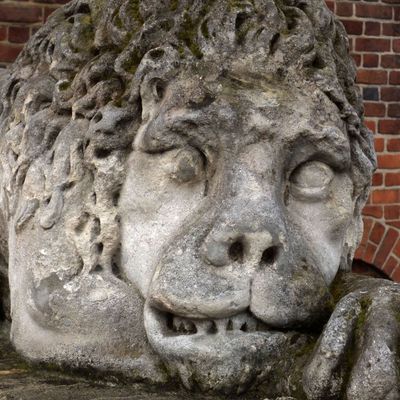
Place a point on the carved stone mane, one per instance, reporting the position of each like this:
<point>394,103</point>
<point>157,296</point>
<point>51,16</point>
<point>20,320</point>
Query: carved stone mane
<point>84,89</point>
<point>86,65</point>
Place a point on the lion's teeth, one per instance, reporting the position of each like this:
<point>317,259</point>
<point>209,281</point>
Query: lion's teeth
<point>251,324</point>
<point>183,325</point>
<point>239,323</point>
<point>204,326</point>
<point>221,324</point>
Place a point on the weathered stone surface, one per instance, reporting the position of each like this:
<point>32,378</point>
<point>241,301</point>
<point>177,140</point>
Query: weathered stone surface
<point>181,182</point>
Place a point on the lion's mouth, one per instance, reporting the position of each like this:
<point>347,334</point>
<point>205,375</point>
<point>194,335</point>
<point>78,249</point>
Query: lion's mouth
<point>240,323</point>
<point>219,354</point>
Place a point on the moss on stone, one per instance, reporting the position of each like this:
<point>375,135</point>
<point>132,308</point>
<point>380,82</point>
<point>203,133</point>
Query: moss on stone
<point>204,30</point>
<point>65,85</point>
<point>118,22</point>
<point>133,62</point>
<point>134,11</point>
<point>187,34</point>
<point>365,305</point>
<point>174,5</point>
<point>189,28</point>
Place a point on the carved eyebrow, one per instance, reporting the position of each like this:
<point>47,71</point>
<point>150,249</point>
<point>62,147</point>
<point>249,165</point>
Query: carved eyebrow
<point>326,142</point>
<point>331,135</point>
<point>183,117</point>
<point>192,125</point>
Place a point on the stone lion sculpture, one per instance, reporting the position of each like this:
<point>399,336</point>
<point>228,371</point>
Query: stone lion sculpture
<point>181,182</point>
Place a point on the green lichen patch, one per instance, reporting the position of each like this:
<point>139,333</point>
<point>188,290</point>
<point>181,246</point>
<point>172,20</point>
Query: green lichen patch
<point>174,5</point>
<point>188,34</point>
<point>362,318</point>
<point>134,11</point>
<point>132,61</point>
<point>65,85</point>
<point>188,30</point>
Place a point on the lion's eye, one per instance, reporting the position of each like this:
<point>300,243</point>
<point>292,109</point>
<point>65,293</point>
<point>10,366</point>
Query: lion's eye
<point>187,165</point>
<point>311,180</point>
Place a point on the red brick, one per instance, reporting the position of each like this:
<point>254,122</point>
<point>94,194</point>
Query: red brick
<point>393,145</point>
<point>379,144</point>
<point>47,12</point>
<point>396,45</point>
<point>390,264</point>
<point>390,94</point>
<point>377,180</point>
<point>377,233</point>
<point>389,161</point>
<point>370,125</point>
<point>353,27</point>
<point>386,196</point>
<point>394,78</point>
<point>390,126</point>
<point>8,53</point>
<point>374,11</point>
<point>389,29</point>
<point>374,109</point>
<point>397,13</point>
<point>330,5</point>
<point>359,254</point>
<point>20,14</point>
<point>396,224</point>
<point>372,76</point>
<point>392,179</point>
<point>396,275</point>
<point>390,61</point>
<point>364,239</point>
<point>351,43</point>
<point>372,28</point>
<point>394,110</point>
<point>369,253</point>
<point>373,211</point>
<point>356,58</point>
<point>370,60</point>
<point>367,229</point>
<point>397,249</point>
<point>3,33</point>
<point>392,212</point>
<point>386,246</point>
<point>344,9</point>
<point>17,34</point>
<point>378,45</point>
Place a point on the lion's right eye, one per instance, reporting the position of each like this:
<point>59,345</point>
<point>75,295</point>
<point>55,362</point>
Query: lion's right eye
<point>187,165</point>
<point>311,180</point>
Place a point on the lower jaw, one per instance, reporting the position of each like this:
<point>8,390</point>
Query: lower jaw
<point>228,362</point>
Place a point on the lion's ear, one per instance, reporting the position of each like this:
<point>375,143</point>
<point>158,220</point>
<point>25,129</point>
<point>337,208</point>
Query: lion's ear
<point>157,86</point>
<point>152,92</point>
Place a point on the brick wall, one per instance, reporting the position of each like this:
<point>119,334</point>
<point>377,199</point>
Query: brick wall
<point>18,21</point>
<point>374,30</point>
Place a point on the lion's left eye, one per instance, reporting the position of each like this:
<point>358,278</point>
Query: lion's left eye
<point>311,180</point>
<point>187,165</point>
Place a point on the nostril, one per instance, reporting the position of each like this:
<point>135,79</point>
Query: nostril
<point>98,117</point>
<point>269,255</point>
<point>236,251</point>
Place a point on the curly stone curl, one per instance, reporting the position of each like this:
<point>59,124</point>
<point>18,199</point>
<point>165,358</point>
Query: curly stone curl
<point>78,82</point>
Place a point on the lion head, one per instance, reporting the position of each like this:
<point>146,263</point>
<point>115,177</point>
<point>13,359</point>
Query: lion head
<point>180,184</point>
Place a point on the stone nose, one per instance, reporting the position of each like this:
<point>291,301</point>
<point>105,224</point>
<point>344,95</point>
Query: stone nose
<point>239,246</point>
